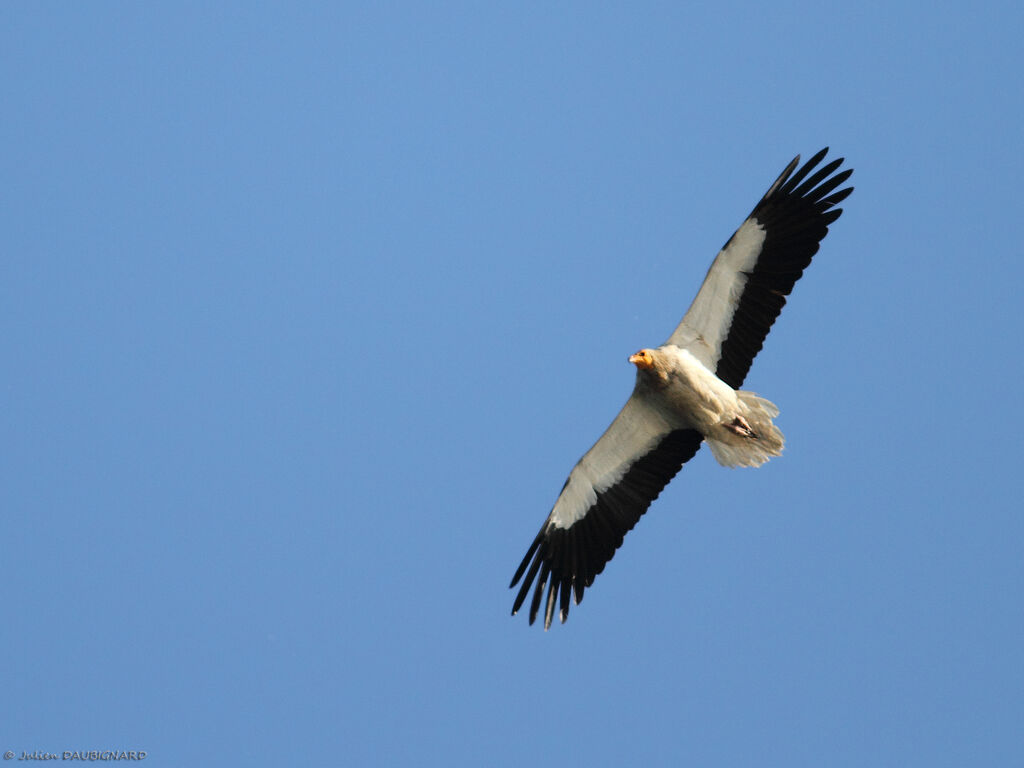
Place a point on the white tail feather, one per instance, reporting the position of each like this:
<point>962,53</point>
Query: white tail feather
<point>751,438</point>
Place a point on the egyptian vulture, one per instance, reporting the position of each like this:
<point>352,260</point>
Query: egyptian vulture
<point>687,391</point>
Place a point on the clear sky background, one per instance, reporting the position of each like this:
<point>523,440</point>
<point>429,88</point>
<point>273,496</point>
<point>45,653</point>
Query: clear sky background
<point>307,310</point>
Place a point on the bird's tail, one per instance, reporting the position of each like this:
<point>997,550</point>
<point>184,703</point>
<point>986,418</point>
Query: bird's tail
<point>750,438</point>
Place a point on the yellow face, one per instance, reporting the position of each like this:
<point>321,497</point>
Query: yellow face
<point>643,359</point>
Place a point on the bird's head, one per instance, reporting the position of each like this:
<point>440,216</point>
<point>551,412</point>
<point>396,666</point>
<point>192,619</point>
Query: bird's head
<point>644,359</point>
<point>652,365</point>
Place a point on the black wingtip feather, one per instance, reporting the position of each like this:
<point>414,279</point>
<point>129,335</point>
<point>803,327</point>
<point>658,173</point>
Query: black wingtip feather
<point>524,590</point>
<point>801,174</point>
<point>538,593</point>
<point>838,197</point>
<point>526,560</point>
<point>816,178</point>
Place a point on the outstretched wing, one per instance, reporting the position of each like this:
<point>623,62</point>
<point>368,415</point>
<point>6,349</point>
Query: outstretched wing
<point>606,493</point>
<point>749,280</point>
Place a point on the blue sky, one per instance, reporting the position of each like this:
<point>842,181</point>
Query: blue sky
<point>307,310</point>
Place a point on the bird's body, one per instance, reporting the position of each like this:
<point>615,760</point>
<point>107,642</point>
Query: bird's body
<point>687,391</point>
<point>736,424</point>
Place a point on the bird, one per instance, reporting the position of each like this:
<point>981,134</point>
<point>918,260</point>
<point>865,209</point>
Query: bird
<point>687,391</point>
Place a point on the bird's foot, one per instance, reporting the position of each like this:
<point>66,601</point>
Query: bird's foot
<point>739,426</point>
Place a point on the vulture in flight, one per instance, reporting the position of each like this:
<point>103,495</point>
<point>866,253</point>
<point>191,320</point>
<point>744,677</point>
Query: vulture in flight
<point>687,391</point>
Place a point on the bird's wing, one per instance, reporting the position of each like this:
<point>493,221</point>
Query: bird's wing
<point>748,282</point>
<point>606,493</point>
